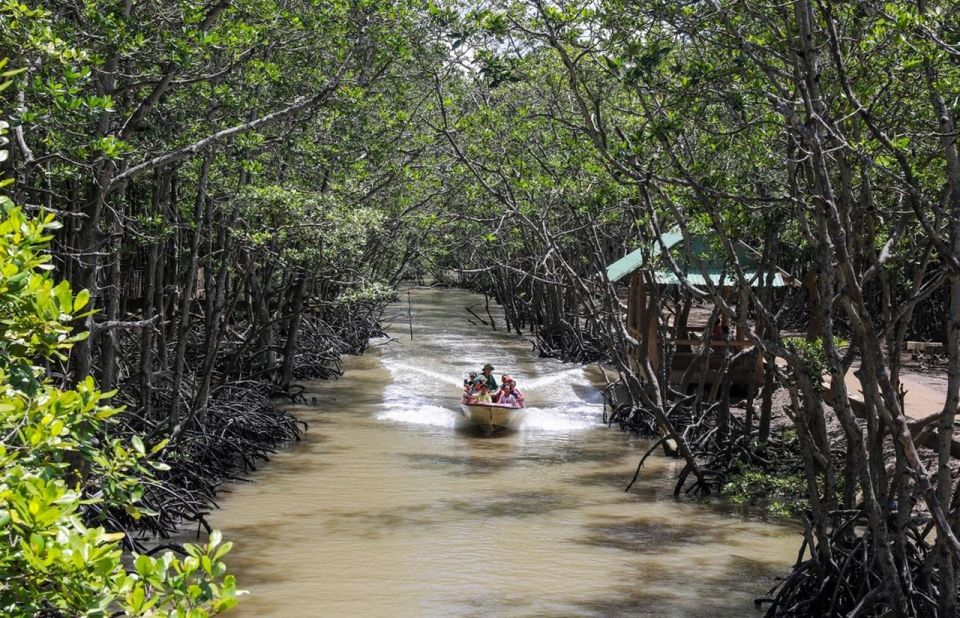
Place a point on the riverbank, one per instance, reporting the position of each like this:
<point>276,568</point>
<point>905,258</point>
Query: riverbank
<point>246,421</point>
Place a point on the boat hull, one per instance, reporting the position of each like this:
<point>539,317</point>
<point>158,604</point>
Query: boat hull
<point>491,416</point>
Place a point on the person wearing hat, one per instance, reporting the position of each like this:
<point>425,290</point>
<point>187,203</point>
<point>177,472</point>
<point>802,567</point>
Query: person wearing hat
<point>488,375</point>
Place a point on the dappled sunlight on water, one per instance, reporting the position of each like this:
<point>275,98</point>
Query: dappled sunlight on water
<point>389,507</point>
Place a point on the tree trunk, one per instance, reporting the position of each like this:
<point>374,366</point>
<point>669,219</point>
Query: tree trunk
<point>186,298</point>
<point>293,332</point>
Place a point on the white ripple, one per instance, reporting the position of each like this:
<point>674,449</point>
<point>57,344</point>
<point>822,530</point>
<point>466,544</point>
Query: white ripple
<point>568,374</point>
<point>400,369</point>
<point>560,418</point>
<point>416,414</point>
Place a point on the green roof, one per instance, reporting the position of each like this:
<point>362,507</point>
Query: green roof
<point>625,265</point>
<point>714,265</point>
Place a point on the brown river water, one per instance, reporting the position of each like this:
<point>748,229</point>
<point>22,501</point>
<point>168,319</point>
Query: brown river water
<point>388,508</point>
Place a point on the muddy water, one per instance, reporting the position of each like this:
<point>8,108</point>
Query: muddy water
<point>387,508</point>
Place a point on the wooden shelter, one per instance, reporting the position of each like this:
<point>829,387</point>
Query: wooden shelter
<point>652,278</point>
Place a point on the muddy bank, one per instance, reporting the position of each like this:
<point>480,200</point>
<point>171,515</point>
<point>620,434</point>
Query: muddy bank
<point>246,421</point>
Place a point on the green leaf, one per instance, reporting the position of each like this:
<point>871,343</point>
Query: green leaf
<point>81,300</point>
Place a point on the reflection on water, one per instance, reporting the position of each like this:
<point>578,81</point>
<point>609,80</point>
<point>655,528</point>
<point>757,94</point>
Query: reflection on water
<point>386,508</point>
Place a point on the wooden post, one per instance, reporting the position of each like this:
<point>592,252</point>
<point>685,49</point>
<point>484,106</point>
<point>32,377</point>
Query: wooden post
<point>410,314</point>
<point>680,323</point>
<point>651,333</point>
<point>640,310</point>
<point>815,325</point>
<point>742,326</point>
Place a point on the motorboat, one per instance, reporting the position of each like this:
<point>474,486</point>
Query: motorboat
<point>490,416</point>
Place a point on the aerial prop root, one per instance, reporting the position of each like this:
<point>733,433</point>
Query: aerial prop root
<point>850,583</point>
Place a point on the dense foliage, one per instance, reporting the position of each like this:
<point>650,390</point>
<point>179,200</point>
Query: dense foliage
<point>823,134</point>
<point>226,177</point>
<point>243,182</point>
<point>59,458</point>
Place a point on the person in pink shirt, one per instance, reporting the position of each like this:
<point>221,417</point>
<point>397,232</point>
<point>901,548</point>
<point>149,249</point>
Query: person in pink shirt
<point>506,380</point>
<point>507,397</point>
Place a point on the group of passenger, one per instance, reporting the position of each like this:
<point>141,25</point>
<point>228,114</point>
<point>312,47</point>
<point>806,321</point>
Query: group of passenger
<point>483,388</point>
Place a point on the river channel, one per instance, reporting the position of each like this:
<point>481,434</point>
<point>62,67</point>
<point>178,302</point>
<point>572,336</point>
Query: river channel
<point>388,508</point>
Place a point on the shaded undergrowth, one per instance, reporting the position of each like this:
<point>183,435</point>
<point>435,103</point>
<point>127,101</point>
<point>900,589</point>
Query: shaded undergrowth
<point>239,426</point>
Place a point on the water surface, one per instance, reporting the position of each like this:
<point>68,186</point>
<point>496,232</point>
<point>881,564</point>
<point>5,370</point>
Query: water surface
<point>387,508</point>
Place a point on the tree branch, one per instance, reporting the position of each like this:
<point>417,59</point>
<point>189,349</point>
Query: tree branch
<point>195,148</point>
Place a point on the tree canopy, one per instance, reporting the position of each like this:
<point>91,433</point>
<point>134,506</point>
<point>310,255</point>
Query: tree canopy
<point>241,184</point>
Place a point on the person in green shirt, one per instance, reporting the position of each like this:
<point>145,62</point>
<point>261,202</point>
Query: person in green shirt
<point>491,381</point>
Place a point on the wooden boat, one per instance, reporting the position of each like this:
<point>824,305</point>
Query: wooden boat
<point>491,416</point>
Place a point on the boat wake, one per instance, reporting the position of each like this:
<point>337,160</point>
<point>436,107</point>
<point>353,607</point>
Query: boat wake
<point>559,417</point>
<point>553,378</point>
<point>553,402</point>
<point>420,414</point>
<point>572,417</point>
<point>397,369</point>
